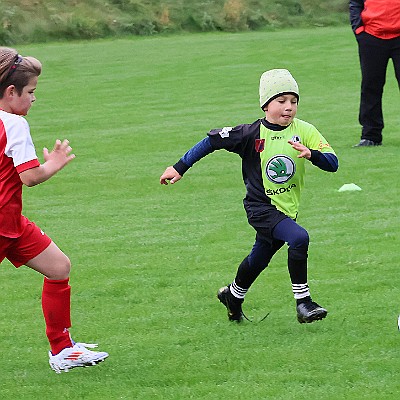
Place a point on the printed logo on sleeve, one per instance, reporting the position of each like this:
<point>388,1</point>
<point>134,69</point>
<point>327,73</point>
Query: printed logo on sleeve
<point>322,145</point>
<point>224,132</point>
<point>280,169</point>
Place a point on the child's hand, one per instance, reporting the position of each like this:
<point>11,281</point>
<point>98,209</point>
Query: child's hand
<point>60,153</point>
<point>171,175</point>
<point>57,159</point>
<point>305,152</point>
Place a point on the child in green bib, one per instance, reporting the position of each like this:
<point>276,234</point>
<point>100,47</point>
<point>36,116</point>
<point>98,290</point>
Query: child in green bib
<point>274,150</point>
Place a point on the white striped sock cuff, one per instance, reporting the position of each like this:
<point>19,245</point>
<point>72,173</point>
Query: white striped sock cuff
<point>300,290</point>
<point>237,291</point>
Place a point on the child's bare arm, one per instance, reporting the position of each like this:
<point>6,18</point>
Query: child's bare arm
<point>57,159</point>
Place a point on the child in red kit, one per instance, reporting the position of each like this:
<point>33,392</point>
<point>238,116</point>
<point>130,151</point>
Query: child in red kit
<point>21,241</point>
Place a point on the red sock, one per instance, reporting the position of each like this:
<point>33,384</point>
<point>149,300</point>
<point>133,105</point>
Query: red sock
<point>56,305</point>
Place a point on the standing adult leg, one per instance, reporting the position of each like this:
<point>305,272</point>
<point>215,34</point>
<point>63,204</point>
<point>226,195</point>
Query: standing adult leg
<point>374,57</point>
<point>395,55</point>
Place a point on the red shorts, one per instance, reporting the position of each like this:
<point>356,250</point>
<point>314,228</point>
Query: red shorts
<point>25,247</point>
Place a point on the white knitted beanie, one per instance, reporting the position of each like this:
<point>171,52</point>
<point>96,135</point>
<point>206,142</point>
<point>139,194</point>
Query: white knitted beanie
<point>274,83</point>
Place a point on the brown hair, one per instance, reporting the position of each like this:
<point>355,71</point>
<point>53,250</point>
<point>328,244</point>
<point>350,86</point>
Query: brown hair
<point>16,70</point>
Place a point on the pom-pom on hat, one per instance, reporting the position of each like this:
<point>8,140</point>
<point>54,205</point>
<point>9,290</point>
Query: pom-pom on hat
<point>276,82</point>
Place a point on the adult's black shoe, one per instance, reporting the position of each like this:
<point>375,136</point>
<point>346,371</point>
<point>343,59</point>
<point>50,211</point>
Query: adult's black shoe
<point>367,143</point>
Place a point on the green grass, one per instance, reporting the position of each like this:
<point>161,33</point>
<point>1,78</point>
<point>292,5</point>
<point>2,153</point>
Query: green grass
<point>148,260</point>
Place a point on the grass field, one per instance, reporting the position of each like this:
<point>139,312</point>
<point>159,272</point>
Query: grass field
<point>148,259</point>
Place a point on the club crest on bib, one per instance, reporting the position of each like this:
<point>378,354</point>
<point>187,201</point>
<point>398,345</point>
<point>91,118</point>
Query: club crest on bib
<point>296,139</point>
<point>280,168</point>
<point>259,145</point>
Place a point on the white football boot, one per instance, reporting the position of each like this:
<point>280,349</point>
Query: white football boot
<point>76,356</point>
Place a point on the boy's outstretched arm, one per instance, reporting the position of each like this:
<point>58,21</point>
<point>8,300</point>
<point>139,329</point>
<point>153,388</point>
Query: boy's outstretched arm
<point>170,175</point>
<point>57,159</point>
<point>197,152</point>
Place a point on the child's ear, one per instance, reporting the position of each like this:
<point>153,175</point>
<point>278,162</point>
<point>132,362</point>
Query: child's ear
<point>10,90</point>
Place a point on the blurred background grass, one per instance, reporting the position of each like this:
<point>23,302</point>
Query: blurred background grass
<point>29,21</point>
